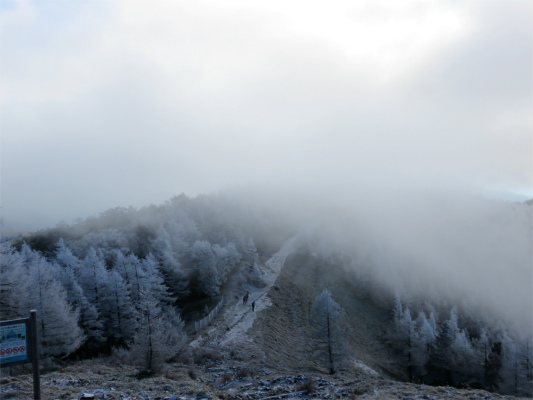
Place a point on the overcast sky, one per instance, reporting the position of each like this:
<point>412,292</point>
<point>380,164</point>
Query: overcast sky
<point>119,103</point>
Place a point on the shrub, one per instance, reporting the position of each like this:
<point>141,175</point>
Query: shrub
<point>193,374</point>
<point>226,377</point>
<point>309,385</point>
<point>120,356</point>
<point>244,372</point>
<point>185,357</point>
<point>206,354</point>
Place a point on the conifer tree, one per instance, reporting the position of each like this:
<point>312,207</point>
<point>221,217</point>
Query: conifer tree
<point>424,344</point>
<point>327,320</point>
<point>481,362</point>
<point>171,247</point>
<point>89,319</point>
<point>92,277</point>
<point>159,337</point>
<point>462,354</point>
<point>406,338</point>
<point>151,281</point>
<point>117,310</point>
<point>208,277</point>
<point>134,276</point>
<point>441,361</point>
<point>57,321</point>
<point>250,251</point>
<point>515,373</point>
<point>13,273</point>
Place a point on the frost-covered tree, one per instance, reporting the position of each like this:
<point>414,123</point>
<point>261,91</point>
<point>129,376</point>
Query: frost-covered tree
<point>13,274</point>
<point>442,360</point>
<point>117,310</point>
<point>119,265</point>
<point>65,258</point>
<point>509,365</point>
<point>250,251</point>
<point>208,277</point>
<point>424,345</point>
<point>131,270</point>
<point>397,309</point>
<point>226,258</point>
<point>404,337</point>
<point>89,319</point>
<point>515,374</point>
<point>57,321</point>
<point>106,240</point>
<point>92,277</point>
<point>328,323</point>
<point>462,354</point>
<point>524,371</point>
<point>172,247</point>
<point>160,335</point>
<point>481,357</point>
<point>151,281</point>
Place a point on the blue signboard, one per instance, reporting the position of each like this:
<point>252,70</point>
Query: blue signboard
<point>14,342</point>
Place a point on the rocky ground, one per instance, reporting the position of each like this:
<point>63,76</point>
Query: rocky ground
<point>219,380</point>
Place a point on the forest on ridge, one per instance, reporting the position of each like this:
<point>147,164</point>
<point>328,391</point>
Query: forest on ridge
<point>121,282</point>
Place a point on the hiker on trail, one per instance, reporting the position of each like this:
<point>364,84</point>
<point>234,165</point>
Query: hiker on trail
<point>253,306</point>
<point>245,298</point>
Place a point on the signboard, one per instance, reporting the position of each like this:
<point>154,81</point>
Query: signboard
<point>18,345</point>
<point>14,341</point>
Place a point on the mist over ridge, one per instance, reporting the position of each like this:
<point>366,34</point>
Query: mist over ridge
<point>446,269</point>
<point>445,247</point>
<point>425,244</point>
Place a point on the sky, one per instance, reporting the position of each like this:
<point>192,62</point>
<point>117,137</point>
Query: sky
<point>128,103</point>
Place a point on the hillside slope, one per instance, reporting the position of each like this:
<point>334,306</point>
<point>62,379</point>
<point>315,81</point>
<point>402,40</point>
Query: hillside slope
<point>278,334</point>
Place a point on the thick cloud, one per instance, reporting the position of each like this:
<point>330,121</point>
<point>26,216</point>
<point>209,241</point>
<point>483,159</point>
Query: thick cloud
<point>129,103</point>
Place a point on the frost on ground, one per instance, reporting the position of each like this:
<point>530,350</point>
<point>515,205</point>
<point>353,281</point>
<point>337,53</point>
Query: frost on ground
<point>361,366</point>
<point>239,317</point>
<point>226,378</point>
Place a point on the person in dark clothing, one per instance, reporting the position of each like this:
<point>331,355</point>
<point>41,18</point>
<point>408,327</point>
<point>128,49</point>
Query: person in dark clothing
<point>253,306</point>
<point>245,298</point>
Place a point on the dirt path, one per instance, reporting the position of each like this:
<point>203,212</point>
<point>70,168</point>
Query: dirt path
<point>239,318</point>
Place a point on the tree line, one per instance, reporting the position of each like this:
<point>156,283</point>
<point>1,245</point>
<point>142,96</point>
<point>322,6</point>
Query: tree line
<point>459,353</point>
<point>111,284</point>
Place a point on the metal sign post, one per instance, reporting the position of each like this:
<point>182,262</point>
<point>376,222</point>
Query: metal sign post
<point>18,345</point>
<point>35,356</point>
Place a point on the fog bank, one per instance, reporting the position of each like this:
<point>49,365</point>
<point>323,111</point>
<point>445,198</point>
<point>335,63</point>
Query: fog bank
<point>425,244</point>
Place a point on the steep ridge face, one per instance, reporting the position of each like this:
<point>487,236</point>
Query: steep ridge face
<point>286,339</point>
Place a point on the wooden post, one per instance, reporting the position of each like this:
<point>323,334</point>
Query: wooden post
<point>35,356</point>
